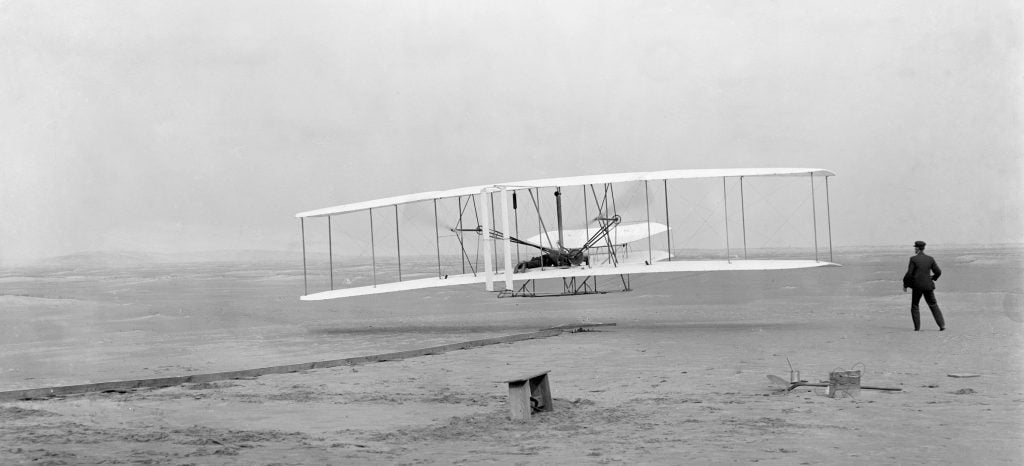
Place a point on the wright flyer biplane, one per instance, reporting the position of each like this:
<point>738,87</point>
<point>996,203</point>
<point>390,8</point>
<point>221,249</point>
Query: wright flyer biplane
<point>583,234</point>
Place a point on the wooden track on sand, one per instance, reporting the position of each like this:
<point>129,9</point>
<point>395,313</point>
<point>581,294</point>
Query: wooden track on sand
<point>125,385</point>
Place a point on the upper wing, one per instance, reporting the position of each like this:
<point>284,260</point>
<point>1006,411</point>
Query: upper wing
<point>566,181</point>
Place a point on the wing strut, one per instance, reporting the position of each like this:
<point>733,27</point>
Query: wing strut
<point>459,236</point>
<point>814,217</point>
<point>558,214</point>
<point>725,200</point>
<point>330,251</point>
<point>515,211</point>
<point>494,249</point>
<point>437,240</point>
<point>305,281</point>
<point>828,212</point>
<point>373,250</point>
<point>488,245</point>
<point>668,229</point>
<point>610,188</point>
<point>398,244</point>
<point>602,211</point>
<point>743,219</point>
<point>506,243</point>
<point>647,204</point>
<point>586,214</point>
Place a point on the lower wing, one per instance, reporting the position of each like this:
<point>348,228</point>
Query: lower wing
<point>622,268</point>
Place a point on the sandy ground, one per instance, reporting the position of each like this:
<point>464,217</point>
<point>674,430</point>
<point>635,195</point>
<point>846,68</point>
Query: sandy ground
<point>680,379</point>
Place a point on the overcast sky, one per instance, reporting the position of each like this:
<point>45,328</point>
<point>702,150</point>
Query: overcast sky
<point>184,126</point>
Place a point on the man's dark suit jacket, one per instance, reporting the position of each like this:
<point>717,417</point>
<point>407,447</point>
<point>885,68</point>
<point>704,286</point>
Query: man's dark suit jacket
<point>919,272</point>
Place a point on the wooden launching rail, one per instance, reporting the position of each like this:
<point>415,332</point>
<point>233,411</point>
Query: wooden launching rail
<point>124,385</point>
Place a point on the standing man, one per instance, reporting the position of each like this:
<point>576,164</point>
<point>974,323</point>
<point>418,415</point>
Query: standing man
<point>919,278</point>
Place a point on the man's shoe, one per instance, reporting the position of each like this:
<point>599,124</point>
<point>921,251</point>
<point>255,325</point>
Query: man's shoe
<point>941,329</point>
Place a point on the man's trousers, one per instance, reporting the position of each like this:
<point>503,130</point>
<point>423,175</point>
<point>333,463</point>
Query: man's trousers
<point>929,297</point>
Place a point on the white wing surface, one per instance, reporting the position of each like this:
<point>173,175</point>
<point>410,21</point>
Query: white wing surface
<point>434,282</point>
<point>673,266</point>
<point>582,271</point>
<point>567,181</point>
